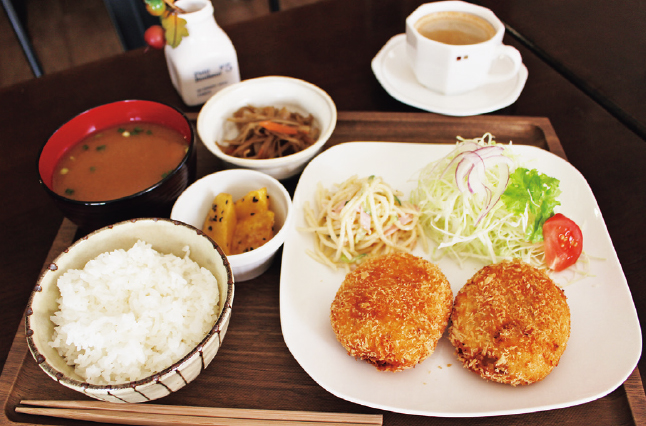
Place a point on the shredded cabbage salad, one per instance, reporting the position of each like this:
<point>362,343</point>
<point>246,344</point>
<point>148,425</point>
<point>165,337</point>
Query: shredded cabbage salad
<point>461,201</point>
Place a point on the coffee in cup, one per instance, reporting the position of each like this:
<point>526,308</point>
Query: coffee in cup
<point>452,47</point>
<point>456,28</point>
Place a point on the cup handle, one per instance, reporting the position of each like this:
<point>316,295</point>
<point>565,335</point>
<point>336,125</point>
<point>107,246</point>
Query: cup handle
<point>508,52</point>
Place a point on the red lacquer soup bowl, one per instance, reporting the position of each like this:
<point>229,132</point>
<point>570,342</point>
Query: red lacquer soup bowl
<point>153,200</point>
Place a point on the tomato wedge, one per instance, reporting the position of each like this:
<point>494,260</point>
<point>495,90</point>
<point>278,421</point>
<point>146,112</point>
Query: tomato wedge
<point>563,242</point>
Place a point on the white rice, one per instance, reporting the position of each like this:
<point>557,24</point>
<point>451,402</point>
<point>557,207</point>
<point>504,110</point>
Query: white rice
<point>129,314</point>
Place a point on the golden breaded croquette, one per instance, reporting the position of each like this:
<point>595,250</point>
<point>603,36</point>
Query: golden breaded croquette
<point>391,310</point>
<point>510,323</point>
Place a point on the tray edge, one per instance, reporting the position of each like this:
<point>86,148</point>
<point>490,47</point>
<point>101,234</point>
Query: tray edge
<point>633,386</point>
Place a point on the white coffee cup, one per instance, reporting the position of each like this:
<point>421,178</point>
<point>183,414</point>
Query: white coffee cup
<point>453,69</point>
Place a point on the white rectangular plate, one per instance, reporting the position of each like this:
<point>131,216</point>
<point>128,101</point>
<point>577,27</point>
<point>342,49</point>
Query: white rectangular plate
<point>605,342</point>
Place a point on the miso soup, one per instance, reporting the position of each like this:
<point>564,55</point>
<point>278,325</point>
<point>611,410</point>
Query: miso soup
<point>118,161</point>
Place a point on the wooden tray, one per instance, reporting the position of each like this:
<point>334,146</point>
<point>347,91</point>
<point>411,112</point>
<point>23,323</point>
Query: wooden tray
<point>254,368</point>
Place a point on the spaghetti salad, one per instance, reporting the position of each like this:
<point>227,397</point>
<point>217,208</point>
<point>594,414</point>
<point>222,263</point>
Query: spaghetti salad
<point>358,218</point>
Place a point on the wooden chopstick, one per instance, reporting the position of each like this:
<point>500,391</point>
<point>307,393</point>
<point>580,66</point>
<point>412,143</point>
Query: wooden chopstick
<point>155,414</point>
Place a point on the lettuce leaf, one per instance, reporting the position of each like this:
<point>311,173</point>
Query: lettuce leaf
<point>533,194</point>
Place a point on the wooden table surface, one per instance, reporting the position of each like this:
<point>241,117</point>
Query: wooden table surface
<point>593,46</point>
<point>331,44</point>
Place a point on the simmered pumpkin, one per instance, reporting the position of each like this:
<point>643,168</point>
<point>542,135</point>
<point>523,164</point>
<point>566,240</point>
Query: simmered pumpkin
<point>254,202</point>
<point>220,222</point>
<point>252,232</point>
<point>241,226</point>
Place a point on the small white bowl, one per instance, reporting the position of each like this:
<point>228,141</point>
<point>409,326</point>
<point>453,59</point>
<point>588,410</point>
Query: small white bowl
<point>193,205</point>
<point>166,237</point>
<point>294,94</point>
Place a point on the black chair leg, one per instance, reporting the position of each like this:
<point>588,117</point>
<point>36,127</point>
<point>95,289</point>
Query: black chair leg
<point>274,5</point>
<point>23,38</point>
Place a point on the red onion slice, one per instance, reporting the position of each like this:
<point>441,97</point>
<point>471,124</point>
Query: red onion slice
<point>471,173</point>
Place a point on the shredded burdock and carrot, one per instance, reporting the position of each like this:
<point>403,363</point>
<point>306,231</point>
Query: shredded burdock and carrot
<point>269,132</point>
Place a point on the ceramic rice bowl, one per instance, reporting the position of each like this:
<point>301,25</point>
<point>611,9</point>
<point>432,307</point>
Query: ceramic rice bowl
<point>165,236</point>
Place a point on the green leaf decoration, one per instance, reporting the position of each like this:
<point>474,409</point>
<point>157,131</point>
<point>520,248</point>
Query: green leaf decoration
<point>534,193</point>
<point>174,29</point>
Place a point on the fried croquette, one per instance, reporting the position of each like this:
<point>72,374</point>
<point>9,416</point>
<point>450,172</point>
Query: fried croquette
<point>510,323</point>
<point>391,311</point>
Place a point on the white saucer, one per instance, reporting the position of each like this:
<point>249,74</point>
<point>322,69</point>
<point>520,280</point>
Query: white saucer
<point>394,74</point>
